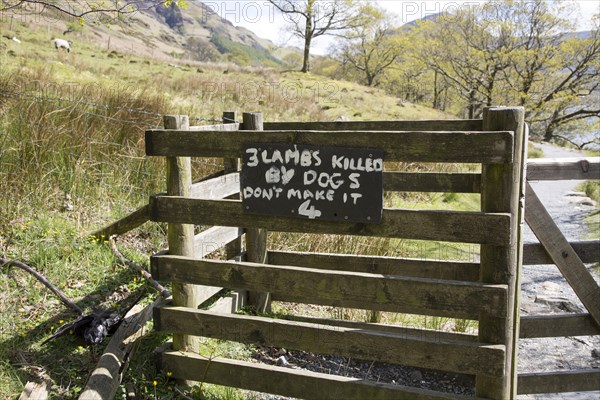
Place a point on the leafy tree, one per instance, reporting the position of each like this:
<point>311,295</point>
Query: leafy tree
<point>370,47</point>
<point>309,19</point>
<point>466,50</point>
<point>522,55</point>
<point>554,74</point>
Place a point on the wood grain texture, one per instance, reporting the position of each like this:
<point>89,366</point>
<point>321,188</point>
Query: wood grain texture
<point>287,381</point>
<point>337,288</point>
<point>105,379</point>
<point>557,169</point>
<point>467,147</point>
<point>501,192</point>
<point>181,236</point>
<point>256,238</point>
<point>416,268</point>
<point>451,226</point>
<point>444,355</point>
<point>125,224</point>
<point>563,255</point>
<point>214,238</point>
<point>559,382</point>
<point>34,391</point>
<point>431,182</point>
<point>539,326</point>
<point>424,125</point>
<point>217,188</point>
<point>429,334</point>
<point>218,127</point>
<point>587,250</point>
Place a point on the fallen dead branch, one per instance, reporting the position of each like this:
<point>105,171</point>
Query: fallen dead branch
<point>41,278</point>
<point>157,286</point>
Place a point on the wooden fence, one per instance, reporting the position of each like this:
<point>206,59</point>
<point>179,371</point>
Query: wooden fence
<point>488,296</point>
<point>484,291</point>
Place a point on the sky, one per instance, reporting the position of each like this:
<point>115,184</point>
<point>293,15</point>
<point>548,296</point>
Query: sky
<point>261,17</point>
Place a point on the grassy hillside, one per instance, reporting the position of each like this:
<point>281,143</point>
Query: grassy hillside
<point>72,160</point>
<point>153,31</point>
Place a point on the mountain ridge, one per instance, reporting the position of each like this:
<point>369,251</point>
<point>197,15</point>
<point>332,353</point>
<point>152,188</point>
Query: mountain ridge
<point>194,33</point>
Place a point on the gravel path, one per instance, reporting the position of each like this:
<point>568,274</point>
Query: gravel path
<point>544,290</point>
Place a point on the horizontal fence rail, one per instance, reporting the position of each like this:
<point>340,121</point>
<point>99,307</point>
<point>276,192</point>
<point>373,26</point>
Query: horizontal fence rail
<point>431,182</point>
<point>548,169</point>
<point>425,125</point>
<point>541,326</point>
<point>289,382</point>
<point>558,382</point>
<point>452,356</point>
<point>535,253</point>
<point>466,147</point>
<point>339,288</point>
<point>451,226</point>
<point>416,268</point>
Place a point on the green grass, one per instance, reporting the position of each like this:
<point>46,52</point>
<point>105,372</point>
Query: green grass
<point>591,190</point>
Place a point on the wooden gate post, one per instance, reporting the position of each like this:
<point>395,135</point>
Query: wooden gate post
<point>181,236</point>
<point>256,239</point>
<point>231,165</point>
<point>501,192</point>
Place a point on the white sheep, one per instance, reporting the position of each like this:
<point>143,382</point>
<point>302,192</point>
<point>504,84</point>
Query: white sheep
<point>65,44</point>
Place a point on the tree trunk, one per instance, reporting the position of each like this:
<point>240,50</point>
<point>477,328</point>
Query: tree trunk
<point>308,35</point>
<point>435,91</point>
<point>549,133</point>
<point>472,106</point>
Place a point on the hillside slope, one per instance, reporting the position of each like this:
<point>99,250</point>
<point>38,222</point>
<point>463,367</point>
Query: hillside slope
<point>194,33</point>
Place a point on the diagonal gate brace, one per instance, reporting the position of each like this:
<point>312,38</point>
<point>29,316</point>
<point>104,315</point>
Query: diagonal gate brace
<point>562,254</point>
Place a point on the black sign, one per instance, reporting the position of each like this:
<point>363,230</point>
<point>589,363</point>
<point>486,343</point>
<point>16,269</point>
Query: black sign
<point>329,183</point>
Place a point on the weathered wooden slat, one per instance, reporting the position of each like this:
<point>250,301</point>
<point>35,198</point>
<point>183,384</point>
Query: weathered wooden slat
<point>467,147</point>
<point>218,127</point>
<point>213,239</point>
<point>125,224</point>
<point>231,303</point>
<point>424,125</point>
<point>557,325</point>
<point>217,188</point>
<point>181,236</point>
<point>214,188</point>
<point>556,169</point>
<point>337,288</point>
<point>588,251</point>
<point>416,268</point>
<point>561,252</point>
<point>105,379</point>
<point>559,382</point>
<point>460,357</point>
<point>287,381</point>
<point>451,226</point>
<point>501,192</point>
<point>431,182</point>
<point>428,334</point>
<point>35,391</point>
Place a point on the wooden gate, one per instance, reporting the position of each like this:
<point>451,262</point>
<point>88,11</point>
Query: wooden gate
<point>553,248</point>
<point>483,291</point>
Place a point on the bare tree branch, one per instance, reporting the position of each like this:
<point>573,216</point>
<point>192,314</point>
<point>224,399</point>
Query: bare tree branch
<point>157,286</point>
<point>41,278</point>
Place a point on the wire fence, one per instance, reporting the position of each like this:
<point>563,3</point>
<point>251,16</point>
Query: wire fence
<point>132,110</point>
